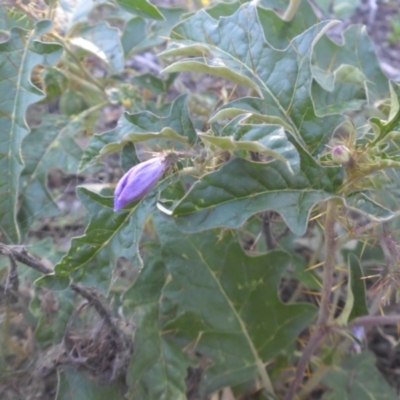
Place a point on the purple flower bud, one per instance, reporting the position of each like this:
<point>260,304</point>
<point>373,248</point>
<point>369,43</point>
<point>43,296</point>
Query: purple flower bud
<point>139,181</point>
<point>341,154</point>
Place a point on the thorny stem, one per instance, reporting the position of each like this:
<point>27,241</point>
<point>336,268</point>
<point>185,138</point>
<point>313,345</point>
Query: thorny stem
<point>329,266</point>
<point>308,351</point>
<point>322,328</point>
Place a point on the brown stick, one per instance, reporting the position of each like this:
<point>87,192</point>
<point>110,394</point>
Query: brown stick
<point>23,257</point>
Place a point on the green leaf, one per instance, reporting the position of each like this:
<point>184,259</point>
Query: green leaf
<point>270,140</point>
<point>388,130</point>
<point>357,378</point>
<point>11,17</point>
<point>74,385</point>
<point>356,276</point>
<point>18,57</point>
<point>110,235</point>
<point>345,8</point>
<point>279,33</point>
<point>140,7</point>
<point>55,82</point>
<point>103,41</point>
<point>358,52</point>
<point>356,301</point>
<point>282,78</point>
<point>229,196</point>
<point>140,34</point>
<point>347,95</point>
<point>52,323</point>
<point>225,305</point>
<point>48,146</point>
<point>363,204</point>
<point>152,83</point>
<point>139,127</point>
<point>158,368</point>
<point>76,12</point>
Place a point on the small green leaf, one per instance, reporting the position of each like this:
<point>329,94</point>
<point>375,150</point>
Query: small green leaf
<point>73,13</point>
<point>266,139</point>
<point>140,34</point>
<point>229,196</point>
<point>75,385</point>
<point>278,32</point>
<point>18,57</point>
<point>357,378</point>
<point>387,130</point>
<point>225,304</point>
<point>140,127</point>
<point>363,204</point>
<point>356,276</point>
<point>141,8</point>
<point>348,93</point>
<point>103,41</point>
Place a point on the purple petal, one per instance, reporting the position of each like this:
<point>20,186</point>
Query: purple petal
<point>139,181</point>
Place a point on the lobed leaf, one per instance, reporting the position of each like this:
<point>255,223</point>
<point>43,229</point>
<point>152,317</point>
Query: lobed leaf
<point>142,126</point>
<point>225,305</point>
<point>109,236</point>
<point>356,52</point>
<point>283,78</point>
<point>140,34</point>
<point>266,139</point>
<point>18,57</point>
<point>240,189</point>
<point>50,145</point>
<point>103,41</point>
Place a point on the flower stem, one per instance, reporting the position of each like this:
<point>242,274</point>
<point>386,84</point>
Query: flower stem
<point>324,312</point>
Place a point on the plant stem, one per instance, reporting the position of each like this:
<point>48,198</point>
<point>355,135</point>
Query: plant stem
<point>329,266</point>
<point>291,10</point>
<point>373,320</point>
<point>308,351</point>
<point>324,308</point>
